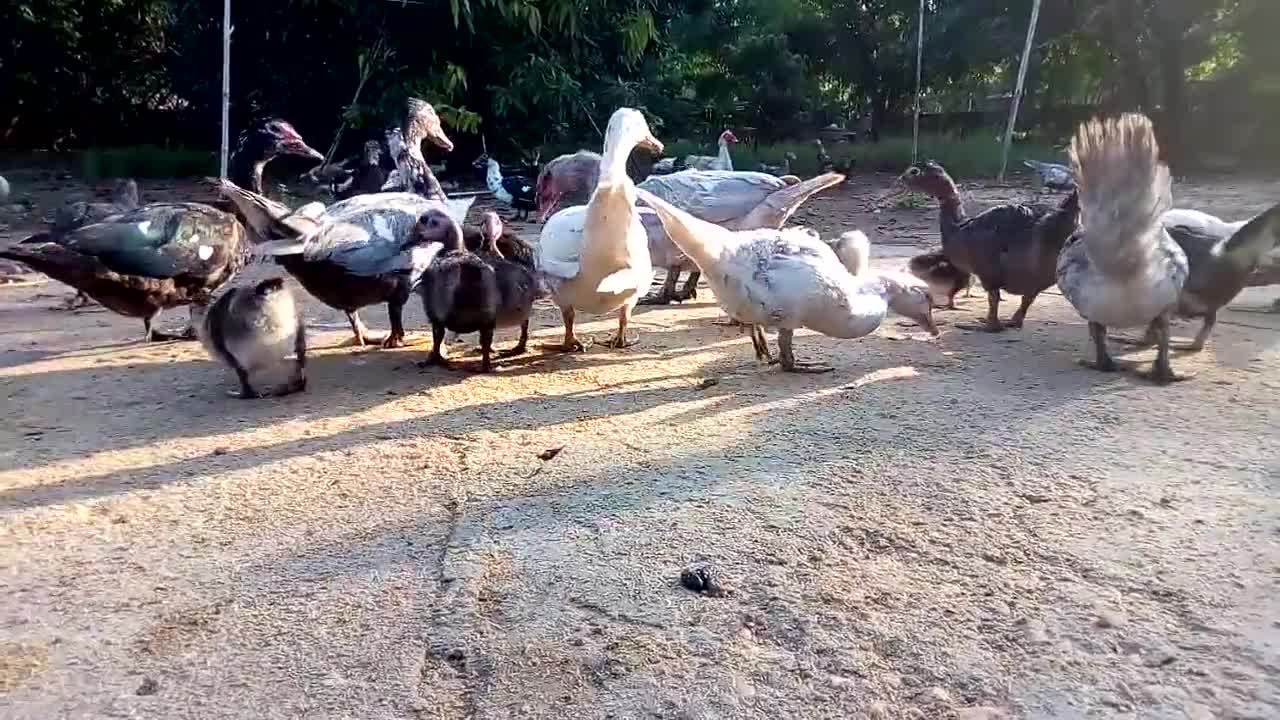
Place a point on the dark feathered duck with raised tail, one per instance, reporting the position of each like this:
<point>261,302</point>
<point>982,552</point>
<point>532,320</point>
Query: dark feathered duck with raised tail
<point>1222,260</point>
<point>140,262</point>
<point>1122,268</point>
<point>255,330</point>
<point>1010,247</point>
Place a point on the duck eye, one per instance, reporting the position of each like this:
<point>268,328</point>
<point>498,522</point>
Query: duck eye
<point>913,172</point>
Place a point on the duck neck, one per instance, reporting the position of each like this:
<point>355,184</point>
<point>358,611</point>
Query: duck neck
<point>952,207</point>
<point>724,153</point>
<point>246,171</point>
<point>417,174</point>
<point>613,166</point>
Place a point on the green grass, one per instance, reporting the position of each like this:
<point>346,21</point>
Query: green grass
<point>975,156</point>
<point>146,161</point>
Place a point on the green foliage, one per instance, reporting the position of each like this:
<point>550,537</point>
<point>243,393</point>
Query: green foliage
<point>543,74</point>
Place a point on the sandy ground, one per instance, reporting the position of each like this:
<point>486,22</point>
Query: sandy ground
<point>969,527</point>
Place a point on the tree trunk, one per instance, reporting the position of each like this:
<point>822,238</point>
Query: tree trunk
<point>1171,49</point>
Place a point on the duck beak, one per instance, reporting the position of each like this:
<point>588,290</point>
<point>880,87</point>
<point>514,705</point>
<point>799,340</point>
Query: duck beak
<point>436,136</point>
<point>302,149</point>
<point>651,143</point>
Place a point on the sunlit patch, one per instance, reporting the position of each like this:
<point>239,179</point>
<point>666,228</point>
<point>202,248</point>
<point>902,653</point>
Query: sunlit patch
<point>897,373</point>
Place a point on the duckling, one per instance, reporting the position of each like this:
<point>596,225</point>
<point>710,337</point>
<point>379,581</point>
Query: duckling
<point>255,329</point>
<point>945,280</point>
<point>791,279</point>
<point>459,289</point>
<point>1122,268</point>
<point>368,176</point>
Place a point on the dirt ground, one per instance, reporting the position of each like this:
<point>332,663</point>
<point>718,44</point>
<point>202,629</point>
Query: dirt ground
<point>970,527</point>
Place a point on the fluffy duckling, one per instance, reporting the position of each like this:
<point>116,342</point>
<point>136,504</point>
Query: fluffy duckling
<point>790,279</point>
<point>1122,268</point>
<point>945,280</point>
<point>595,257</point>
<point>256,329</point>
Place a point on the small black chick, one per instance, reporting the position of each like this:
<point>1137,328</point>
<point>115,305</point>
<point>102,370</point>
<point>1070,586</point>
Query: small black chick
<point>460,289</point>
<point>944,278</point>
<point>255,329</point>
<point>518,283</point>
<point>368,176</point>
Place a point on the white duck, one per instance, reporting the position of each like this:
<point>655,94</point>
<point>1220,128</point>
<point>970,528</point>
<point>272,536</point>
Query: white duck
<point>720,162</point>
<point>595,257</point>
<point>790,279</point>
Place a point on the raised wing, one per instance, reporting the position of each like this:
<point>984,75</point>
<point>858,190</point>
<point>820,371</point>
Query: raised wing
<point>717,196</point>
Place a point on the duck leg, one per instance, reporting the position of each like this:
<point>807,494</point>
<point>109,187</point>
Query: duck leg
<point>620,341</point>
<point>690,290</point>
<point>521,345</point>
<point>395,313</point>
<point>486,350</point>
<point>359,332</point>
<point>1161,372</point>
<point>1202,337</point>
<point>666,294</point>
<point>437,345</point>
<point>993,311</point>
<point>1103,360</point>
<point>1015,322</point>
<point>761,344</point>
<point>787,356</point>
<point>571,342</point>
<point>79,301</point>
<point>299,381</point>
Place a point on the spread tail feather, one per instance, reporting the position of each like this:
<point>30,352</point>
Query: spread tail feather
<point>1258,237</point>
<point>854,250</point>
<point>702,241</point>
<point>778,207</point>
<point>267,218</point>
<point>1124,189</point>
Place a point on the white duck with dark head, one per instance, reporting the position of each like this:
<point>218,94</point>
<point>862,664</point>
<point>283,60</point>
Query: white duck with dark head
<point>595,257</point>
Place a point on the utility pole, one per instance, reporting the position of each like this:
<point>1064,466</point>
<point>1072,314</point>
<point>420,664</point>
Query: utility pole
<point>226,84</point>
<point>915,129</point>
<point>1017,90</point>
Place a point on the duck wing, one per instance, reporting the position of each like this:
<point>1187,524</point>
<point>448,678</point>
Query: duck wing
<point>365,235</point>
<point>559,251</point>
<point>717,196</point>
<point>165,240</point>
<point>518,187</point>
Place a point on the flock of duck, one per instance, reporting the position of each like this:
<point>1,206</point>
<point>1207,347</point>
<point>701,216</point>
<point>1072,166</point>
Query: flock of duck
<point>1121,256</point>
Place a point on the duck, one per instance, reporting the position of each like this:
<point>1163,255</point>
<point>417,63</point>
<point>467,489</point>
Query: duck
<point>1222,258</point>
<point>1122,268</point>
<point>514,191</point>
<point>779,170</point>
<point>1052,175</point>
<point>791,279</point>
<point>1011,247</point>
<point>945,280</point>
<point>739,200</point>
<point>412,173</point>
<point>255,329</point>
<point>467,291</point>
<point>263,141</point>
<point>666,166</point>
<point>723,161</point>
<point>143,261</point>
<point>356,252</point>
<point>367,177</point>
<point>595,257</point>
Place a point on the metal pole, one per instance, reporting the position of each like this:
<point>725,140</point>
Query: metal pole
<point>915,130</point>
<point>226,84</point>
<point>1017,90</point>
